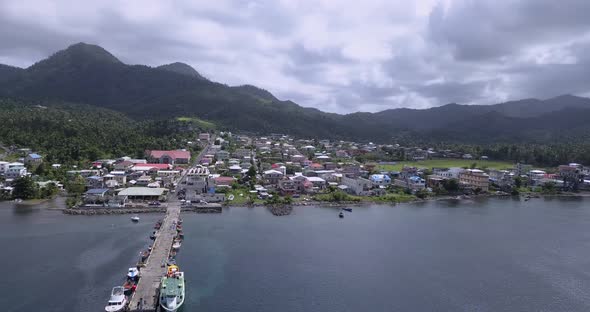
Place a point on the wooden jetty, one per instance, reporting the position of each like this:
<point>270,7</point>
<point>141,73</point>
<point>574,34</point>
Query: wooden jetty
<point>145,297</point>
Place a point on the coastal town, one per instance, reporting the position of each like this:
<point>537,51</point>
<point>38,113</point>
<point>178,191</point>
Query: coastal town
<point>239,170</point>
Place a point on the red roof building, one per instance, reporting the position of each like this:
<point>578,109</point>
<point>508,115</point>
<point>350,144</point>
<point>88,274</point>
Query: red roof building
<point>154,166</point>
<point>225,181</point>
<point>170,157</point>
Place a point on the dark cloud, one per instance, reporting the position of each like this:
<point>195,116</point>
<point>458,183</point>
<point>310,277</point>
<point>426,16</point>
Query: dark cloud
<point>341,57</point>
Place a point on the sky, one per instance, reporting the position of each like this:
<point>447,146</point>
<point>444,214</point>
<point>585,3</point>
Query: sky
<point>336,55</point>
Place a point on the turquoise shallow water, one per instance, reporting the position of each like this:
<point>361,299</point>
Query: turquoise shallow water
<point>485,255</point>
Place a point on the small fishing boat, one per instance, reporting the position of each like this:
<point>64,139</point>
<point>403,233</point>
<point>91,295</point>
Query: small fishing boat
<point>117,301</point>
<point>180,234</point>
<point>133,274</point>
<point>176,245</point>
<point>135,219</point>
<point>154,235</point>
<point>179,221</point>
<point>347,209</point>
<point>341,214</point>
<point>144,255</point>
<point>129,287</point>
<point>18,200</point>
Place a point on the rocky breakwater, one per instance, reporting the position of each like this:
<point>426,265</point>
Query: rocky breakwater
<point>280,210</point>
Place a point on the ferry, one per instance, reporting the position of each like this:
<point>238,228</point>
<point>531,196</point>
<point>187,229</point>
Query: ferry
<point>172,289</point>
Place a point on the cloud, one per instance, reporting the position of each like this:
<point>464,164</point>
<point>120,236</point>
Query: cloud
<point>339,56</point>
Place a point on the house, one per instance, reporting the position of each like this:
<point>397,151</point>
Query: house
<point>287,187</point>
<point>3,166</point>
<point>33,159</point>
<point>298,158</point>
<point>272,176</point>
<point>15,170</point>
<point>301,183</point>
<point>235,169</point>
<point>241,153</point>
<point>223,181</point>
<point>170,157</point>
<point>380,179</point>
<point>222,155</point>
<point>96,196</point>
<point>450,173</point>
<point>125,165</point>
<point>357,186</point>
<point>341,154</point>
<point>204,136</point>
<point>152,168</point>
<point>475,179</point>
<point>317,183</point>
<point>330,165</point>
<point>94,182</point>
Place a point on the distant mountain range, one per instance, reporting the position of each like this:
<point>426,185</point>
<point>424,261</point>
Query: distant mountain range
<point>88,74</point>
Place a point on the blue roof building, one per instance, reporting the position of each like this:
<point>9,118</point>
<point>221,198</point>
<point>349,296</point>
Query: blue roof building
<point>381,179</point>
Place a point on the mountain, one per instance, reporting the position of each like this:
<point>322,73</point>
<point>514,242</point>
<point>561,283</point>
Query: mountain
<point>89,74</point>
<point>182,68</point>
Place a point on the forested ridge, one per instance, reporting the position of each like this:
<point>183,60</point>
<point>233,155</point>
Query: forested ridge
<point>66,133</point>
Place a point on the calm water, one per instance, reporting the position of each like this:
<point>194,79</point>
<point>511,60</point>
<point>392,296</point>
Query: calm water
<point>489,255</point>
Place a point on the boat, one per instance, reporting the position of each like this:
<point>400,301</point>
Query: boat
<point>341,214</point>
<point>135,219</point>
<point>347,209</point>
<point>117,301</point>
<point>18,200</point>
<point>176,245</point>
<point>172,289</point>
<point>133,274</point>
<point>129,287</point>
<point>230,197</point>
<point>144,255</point>
<point>154,235</point>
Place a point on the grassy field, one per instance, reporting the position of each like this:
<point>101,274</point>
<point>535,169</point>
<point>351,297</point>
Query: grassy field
<point>198,122</point>
<point>448,163</point>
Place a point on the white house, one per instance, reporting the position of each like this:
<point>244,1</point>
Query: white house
<point>15,170</point>
<point>272,176</point>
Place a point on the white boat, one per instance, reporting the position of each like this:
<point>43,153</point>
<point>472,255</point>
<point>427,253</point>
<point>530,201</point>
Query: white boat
<point>117,301</point>
<point>176,245</point>
<point>135,219</point>
<point>133,273</point>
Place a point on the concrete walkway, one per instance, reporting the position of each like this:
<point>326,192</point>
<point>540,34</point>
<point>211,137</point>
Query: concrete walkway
<point>145,297</point>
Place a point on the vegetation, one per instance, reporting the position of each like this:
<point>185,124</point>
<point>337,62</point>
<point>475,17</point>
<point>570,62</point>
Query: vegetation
<point>448,163</point>
<point>69,133</point>
<point>27,188</point>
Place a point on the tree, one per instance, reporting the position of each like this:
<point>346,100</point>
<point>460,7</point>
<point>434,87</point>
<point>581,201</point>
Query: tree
<point>76,186</point>
<point>251,172</point>
<point>451,185</point>
<point>518,182</point>
<point>25,188</point>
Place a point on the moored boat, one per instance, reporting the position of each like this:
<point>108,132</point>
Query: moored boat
<point>135,219</point>
<point>133,274</point>
<point>117,300</point>
<point>347,209</point>
<point>172,289</point>
<point>176,245</point>
<point>129,287</point>
<point>341,214</point>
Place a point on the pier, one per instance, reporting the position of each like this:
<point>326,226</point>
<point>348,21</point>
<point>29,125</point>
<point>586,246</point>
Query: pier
<point>145,297</point>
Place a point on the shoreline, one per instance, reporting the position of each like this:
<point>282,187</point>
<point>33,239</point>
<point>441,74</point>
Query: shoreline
<point>281,210</point>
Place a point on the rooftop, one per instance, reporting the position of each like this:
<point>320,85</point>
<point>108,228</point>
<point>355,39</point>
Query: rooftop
<point>142,191</point>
